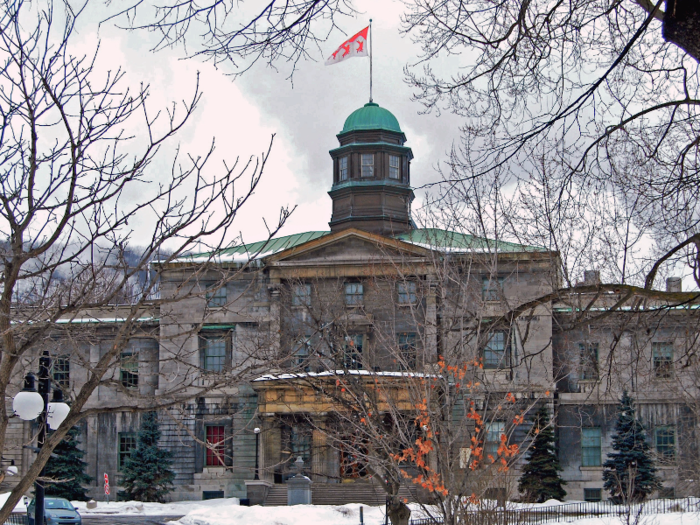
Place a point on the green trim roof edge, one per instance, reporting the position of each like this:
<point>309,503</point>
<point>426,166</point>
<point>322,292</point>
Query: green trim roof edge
<point>432,238</point>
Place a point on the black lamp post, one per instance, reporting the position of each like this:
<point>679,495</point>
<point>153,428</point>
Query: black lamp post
<point>30,404</point>
<point>257,447</point>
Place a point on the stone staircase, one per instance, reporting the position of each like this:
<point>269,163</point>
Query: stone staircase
<point>366,493</point>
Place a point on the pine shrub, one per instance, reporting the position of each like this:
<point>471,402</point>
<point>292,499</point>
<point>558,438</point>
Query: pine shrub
<point>66,469</point>
<point>540,480</point>
<point>629,472</point>
<point>146,475</point>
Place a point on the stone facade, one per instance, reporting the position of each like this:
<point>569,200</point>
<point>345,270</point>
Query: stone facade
<point>382,298</point>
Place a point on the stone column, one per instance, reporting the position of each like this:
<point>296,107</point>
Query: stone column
<point>270,439</point>
<point>431,347</point>
<point>275,321</point>
<point>319,461</point>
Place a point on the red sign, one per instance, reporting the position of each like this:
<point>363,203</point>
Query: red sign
<point>106,484</point>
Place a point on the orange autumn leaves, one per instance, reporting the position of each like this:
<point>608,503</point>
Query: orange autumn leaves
<point>418,454</point>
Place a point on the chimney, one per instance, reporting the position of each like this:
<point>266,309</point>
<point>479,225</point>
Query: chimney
<point>674,284</point>
<point>591,277</point>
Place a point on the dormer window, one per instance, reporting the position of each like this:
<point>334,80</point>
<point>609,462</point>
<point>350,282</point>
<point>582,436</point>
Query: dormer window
<point>343,168</point>
<point>367,165</point>
<point>394,167</point>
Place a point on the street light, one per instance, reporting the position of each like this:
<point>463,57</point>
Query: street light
<point>30,404</point>
<point>257,441</point>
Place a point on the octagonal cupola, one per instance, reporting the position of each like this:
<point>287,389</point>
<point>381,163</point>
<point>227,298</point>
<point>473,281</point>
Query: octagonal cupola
<point>371,174</point>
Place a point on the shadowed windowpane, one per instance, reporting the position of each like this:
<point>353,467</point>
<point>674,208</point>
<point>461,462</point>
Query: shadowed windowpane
<point>590,447</point>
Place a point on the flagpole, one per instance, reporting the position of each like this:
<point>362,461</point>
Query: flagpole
<point>370,59</point>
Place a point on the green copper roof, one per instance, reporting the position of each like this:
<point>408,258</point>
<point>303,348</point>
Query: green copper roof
<point>431,238</point>
<point>371,116</point>
<point>274,245</point>
<point>448,241</point>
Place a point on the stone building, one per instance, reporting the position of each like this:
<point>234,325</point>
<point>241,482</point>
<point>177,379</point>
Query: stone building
<point>378,299</point>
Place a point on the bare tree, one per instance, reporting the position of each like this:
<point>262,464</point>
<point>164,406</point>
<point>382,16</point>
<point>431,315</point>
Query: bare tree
<point>587,112</point>
<point>76,181</point>
<point>239,34</point>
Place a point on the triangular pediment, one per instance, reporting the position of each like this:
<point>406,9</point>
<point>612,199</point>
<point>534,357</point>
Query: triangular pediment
<point>349,245</point>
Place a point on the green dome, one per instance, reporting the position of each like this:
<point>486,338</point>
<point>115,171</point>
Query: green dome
<point>371,116</point>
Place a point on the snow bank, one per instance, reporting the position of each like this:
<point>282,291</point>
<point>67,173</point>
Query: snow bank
<point>350,515</point>
<point>295,515</point>
<point>176,508</point>
<point>20,507</point>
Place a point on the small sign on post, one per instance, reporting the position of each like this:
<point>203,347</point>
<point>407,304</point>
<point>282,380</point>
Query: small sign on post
<point>107,487</point>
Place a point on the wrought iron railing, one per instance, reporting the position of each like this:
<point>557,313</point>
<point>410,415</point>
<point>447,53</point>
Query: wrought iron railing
<point>16,519</point>
<point>534,515</point>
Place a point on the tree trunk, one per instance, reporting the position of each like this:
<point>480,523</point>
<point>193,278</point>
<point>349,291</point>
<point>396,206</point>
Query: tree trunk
<point>681,25</point>
<point>398,511</point>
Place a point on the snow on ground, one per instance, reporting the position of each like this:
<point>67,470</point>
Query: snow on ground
<point>675,518</point>
<point>229,512</point>
<point>350,515</point>
<point>176,508</point>
<point>296,515</point>
<point>20,507</point>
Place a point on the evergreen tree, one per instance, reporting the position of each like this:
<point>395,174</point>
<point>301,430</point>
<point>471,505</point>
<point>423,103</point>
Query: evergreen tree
<point>540,480</point>
<point>67,468</point>
<point>146,475</point>
<point>630,474</point>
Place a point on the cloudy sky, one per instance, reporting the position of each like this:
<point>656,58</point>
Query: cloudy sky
<point>304,116</point>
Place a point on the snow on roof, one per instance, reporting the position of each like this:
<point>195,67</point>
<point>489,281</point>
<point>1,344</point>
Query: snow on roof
<point>333,373</point>
<point>106,320</point>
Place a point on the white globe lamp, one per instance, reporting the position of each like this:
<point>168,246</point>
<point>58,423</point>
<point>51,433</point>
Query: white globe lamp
<point>57,410</point>
<point>28,404</point>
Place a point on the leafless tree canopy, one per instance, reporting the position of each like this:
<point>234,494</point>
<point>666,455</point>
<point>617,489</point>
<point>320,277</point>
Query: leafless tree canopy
<point>77,179</point>
<point>241,33</point>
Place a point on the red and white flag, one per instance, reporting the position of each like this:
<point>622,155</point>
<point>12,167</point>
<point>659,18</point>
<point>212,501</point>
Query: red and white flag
<point>355,46</point>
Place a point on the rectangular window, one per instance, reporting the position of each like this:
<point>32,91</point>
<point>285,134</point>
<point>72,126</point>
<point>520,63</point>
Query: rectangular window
<point>367,165</point>
<point>301,355</point>
<point>497,350</point>
<point>214,351</point>
<point>61,371</point>
<point>588,365</point>
<point>212,494</point>
<point>301,443</point>
<point>662,355</point>
<point>216,295</point>
<point>590,447</point>
<point>407,292</point>
<point>352,355</point>
<point>667,493</point>
<point>492,440</point>
<point>127,442</point>
<point>665,439</point>
<point>354,294</point>
<point>301,295</point>
<point>216,439</point>
<point>407,350</point>
<point>129,369</point>
<point>394,167</point>
<point>343,168</point>
<point>592,494</point>
<point>492,288</point>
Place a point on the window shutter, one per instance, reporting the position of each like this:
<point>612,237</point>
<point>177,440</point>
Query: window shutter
<point>199,449</point>
<point>228,448</point>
